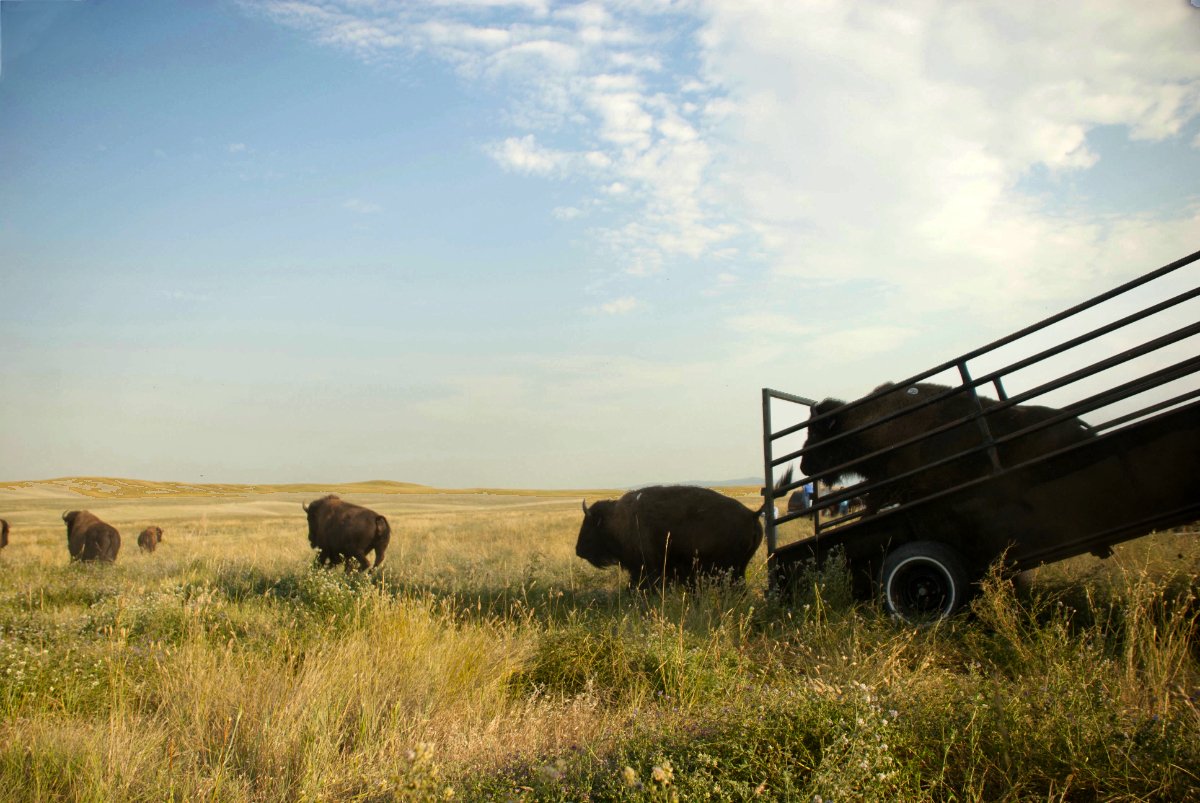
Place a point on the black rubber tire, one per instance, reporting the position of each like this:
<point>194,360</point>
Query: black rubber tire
<point>923,582</point>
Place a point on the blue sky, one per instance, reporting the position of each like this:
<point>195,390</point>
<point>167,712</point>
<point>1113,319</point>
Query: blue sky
<point>534,244</point>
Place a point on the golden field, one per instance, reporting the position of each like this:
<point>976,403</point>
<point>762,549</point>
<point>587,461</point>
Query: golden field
<point>484,661</point>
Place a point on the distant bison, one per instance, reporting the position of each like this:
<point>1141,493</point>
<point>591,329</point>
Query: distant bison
<point>670,532</point>
<point>3,533</point>
<point>854,450</point>
<point>88,538</point>
<point>149,538</point>
<point>341,531</point>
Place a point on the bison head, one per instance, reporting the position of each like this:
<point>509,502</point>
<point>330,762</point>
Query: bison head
<point>75,539</point>
<point>595,543</point>
<point>857,434</point>
<point>827,455</point>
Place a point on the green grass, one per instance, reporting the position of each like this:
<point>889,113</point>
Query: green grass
<point>487,662</point>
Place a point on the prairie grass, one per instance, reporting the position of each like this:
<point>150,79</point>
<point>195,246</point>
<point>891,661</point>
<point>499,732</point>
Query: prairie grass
<point>486,662</point>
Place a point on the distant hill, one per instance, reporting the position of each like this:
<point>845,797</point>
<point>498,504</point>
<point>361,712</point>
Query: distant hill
<point>124,488</point>
<point>735,483</point>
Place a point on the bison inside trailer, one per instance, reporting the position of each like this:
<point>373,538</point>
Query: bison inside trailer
<point>1069,436</point>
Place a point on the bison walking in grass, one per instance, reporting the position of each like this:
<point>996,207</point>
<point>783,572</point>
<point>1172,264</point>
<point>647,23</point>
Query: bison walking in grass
<point>341,531</point>
<point>89,538</point>
<point>149,538</point>
<point>671,533</point>
<point>879,452</point>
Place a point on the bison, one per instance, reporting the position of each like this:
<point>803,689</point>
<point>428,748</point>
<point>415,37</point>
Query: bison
<point>149,538</point>
<point>854,450</point>
<point>670,533</point>
<point>89,538</point>
<point>341,530</point>
<point>3,533</point>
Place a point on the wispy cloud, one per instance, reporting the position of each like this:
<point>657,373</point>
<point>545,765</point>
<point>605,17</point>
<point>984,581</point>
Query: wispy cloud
<point>236,147</point>
<point>525,155</point>
<point>614,79</point>
<point>361,207</point>
<point>182,296</point>
<point>823,142</point>
<point>619,306</point>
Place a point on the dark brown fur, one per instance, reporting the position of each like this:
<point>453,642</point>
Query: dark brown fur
<point>341,531</point>
<point>3,533</point>
<point>854,448</point>
<point>149,538</point>
<point>671,532</point>
<point>89,538</point>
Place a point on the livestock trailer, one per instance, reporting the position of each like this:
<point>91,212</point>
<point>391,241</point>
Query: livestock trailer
<point>958,475</point>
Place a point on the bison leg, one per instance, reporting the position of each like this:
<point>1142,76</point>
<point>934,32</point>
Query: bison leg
<point>361,557</point>
<point>379,554</point>
<point>645,580</point>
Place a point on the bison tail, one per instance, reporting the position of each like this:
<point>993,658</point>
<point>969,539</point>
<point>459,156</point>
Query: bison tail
<point>383,531</point>
<point>784,480</point>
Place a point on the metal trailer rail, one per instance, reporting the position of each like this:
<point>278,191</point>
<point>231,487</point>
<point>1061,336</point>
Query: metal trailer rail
<point>1013,509</point>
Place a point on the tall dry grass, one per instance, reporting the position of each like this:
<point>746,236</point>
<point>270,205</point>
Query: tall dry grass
<point>486,662</point>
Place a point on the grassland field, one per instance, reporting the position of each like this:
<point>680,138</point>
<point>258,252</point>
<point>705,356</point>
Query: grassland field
<point>484,661</point>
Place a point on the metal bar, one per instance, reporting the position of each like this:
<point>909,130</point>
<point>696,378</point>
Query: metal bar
<point>1102,365</point>
<point>1154,408</point>
<point>1135,386</point>
<point>1046,322</point>
<point>768,472</point>
<point>1061,316</point>
<point>779,394</point>
<point>995,376</point>
<point>980,418</point>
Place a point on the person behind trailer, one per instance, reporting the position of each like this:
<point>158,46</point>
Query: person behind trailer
<point>801,499</point>
<point>843,507</point>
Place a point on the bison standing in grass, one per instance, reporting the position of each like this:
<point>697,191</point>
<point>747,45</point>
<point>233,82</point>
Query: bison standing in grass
<point>89,538</point>
<point>149,538</point>
<point>3,533</point>
<point>670,533</point>
<point>838,444</point>
<point>340,531</point>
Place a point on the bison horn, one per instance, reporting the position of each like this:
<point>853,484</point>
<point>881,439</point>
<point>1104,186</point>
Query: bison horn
<point>65,514</point>
<point>585,507</point>
<point>304,506</point>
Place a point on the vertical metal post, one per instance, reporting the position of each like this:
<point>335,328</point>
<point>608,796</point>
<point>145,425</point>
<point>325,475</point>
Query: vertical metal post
<point>768,474</point>
<point>984,430</point>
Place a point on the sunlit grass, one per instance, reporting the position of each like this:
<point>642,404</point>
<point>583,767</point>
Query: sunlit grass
<point>485,661</point>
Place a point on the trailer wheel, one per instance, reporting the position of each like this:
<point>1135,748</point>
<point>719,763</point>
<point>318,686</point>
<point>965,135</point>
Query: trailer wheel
<point>922,582</point>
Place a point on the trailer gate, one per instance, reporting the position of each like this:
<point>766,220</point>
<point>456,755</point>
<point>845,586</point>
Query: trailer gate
<point>1148,376</point>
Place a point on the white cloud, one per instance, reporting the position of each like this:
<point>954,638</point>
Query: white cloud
<point>772,324</point>
<point>606,74</point>
<point>236,147</point>
<point>892,144</point>
<point>525,155</point>
<point>620,306</point>
<point>361,207</point>
<point>846,149</point>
